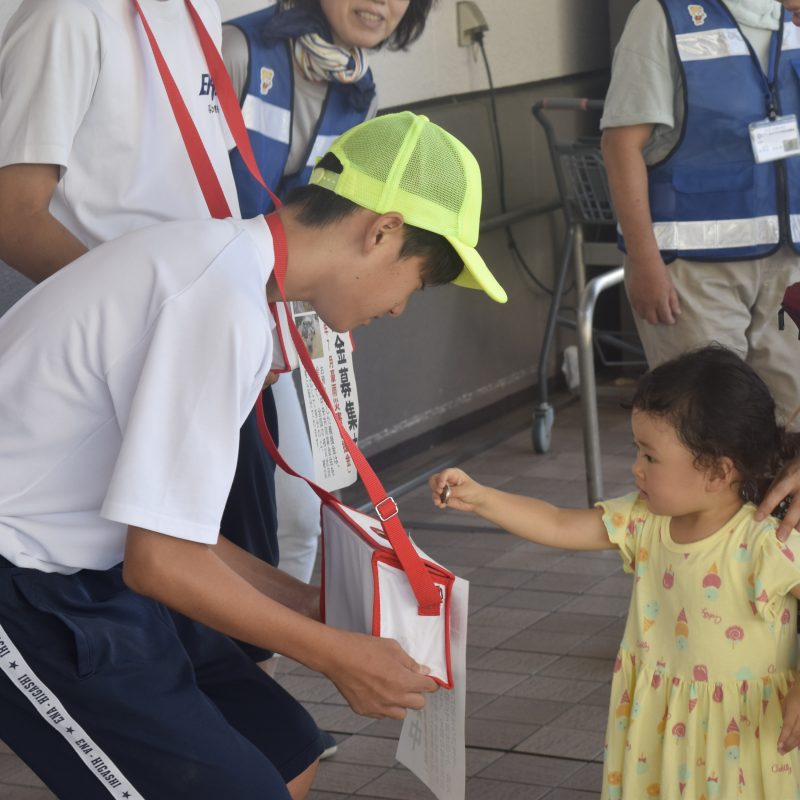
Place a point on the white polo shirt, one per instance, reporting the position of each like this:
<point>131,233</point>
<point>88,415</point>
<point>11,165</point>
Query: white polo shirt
<point>125,380</point>
<point>79,88</point>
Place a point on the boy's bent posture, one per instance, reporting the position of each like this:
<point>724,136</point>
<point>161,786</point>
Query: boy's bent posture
<point>126,379</point>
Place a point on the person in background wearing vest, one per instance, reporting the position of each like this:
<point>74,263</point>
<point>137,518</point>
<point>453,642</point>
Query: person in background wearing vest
<point>300,70</point>
<point>701,147</point>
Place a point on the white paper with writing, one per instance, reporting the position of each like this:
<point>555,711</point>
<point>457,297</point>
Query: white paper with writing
<point>432,742</point>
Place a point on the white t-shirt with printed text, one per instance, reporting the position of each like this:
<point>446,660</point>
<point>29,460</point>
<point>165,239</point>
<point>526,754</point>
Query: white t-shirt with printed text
<point>79,88</point>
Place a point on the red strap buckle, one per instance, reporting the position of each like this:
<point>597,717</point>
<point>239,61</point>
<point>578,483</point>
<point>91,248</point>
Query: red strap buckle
<point>393,511</point>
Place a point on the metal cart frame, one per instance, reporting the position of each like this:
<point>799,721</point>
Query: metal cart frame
<point>586,200</point>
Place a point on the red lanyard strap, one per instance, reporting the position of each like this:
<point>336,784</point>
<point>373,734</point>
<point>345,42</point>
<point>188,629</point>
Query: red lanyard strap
<point>209,182</point>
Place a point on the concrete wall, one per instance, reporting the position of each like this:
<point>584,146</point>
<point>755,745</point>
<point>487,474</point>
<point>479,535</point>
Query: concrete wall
<point>454,351</point>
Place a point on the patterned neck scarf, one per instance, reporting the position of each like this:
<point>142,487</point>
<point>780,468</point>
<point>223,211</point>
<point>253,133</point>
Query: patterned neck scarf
<point>310,37</point>
<point>757,13</point>
<point>321,60</point>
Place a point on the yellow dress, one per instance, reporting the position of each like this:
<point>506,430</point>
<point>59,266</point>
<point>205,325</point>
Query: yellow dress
<point>708,654</point>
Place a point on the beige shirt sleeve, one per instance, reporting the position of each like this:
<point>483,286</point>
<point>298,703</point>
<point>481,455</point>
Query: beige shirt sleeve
<point>646,84</point>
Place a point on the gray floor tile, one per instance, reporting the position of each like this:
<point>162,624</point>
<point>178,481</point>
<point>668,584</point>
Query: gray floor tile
<point>10,792</point>
<point>481,789</point>
<point>523,558</point>
<point>516,619</point>
<point>586,566</point>
<point>367,750</point>
<point>600,646</point>
<point>564,743</point>
<point>478,759</point>
<point>488,635</point>
<point>561,582</point>
<point>396,784</point>
<point>387,728</point>
<point>543,688</point>
<point>337,718</point>
<point>496,735</point>
<point>514,661</point>
<point>337,776</point>
<point>616,585</point>
<point>589,778</point>
<point>597,604</point>
<point>583,717</point>
<point>589,669</point>
<point>542,641</point>
<point>536,601</point>
<point>564,622</point>
<point>571,794</point>
<point>481,596</point>
<point>307,688</point>
<point>15,771</point>
<point>600,696</point>
<point>532,769</point>
<point>491,681</point>
<point>524,710</point>
<point>510,578</point>
<point>476,700</point>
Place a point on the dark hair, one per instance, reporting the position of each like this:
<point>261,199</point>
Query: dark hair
<point>317,207</point>
<point>407,32</point>
<point>719,407</point>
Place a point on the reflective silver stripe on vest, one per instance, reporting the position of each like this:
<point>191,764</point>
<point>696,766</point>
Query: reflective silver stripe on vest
<point>267,119</point>
<point>794,227</point>
<point>321,146</point>
<point>718,234</point>
<point>705,45</point>
<point>54,714</point>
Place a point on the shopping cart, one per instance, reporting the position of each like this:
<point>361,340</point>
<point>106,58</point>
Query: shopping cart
<point>586,201</point>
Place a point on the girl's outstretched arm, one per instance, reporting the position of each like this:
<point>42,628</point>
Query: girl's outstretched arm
<point>568,528</point>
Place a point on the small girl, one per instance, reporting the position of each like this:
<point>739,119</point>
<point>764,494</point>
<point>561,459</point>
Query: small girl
<point>704,702</point>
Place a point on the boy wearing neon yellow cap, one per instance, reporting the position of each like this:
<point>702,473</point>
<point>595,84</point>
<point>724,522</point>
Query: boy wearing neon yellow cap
<point>126,378</point>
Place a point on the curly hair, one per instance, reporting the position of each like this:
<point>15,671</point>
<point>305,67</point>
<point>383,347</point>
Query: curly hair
<point>407,32</point>
<point>719,407</point>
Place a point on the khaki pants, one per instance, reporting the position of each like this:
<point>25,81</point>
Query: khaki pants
<point>735,304</point>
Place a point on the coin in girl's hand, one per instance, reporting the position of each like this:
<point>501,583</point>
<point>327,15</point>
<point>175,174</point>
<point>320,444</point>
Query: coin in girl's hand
<point>445,495</point>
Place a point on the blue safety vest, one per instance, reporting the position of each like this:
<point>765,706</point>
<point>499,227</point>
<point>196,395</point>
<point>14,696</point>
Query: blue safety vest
<point>267,108</point>
<point>709,199</point>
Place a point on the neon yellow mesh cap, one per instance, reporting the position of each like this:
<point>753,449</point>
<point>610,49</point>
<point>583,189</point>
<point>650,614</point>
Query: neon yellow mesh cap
<point>405,163</point>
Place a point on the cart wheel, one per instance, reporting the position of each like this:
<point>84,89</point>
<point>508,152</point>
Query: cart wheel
<point>543,419</point>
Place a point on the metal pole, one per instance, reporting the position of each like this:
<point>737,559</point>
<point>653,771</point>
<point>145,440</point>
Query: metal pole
<point>591,425</point>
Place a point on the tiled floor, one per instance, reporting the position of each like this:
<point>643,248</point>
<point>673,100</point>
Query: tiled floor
<point>543,633</point>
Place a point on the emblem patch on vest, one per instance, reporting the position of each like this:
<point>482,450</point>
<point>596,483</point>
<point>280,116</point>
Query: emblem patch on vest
<point>697,13</point>
<point>267,75</point>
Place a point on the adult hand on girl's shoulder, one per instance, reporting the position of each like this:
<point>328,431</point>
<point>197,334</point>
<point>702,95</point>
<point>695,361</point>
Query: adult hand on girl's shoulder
<point>789,736</point>
<point>787,484</point>
<point>453,488</point>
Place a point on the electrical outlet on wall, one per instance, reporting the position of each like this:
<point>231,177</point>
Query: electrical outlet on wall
<point>471,22</point>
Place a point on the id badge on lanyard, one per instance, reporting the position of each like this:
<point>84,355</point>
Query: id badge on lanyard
<point>774,139</point>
